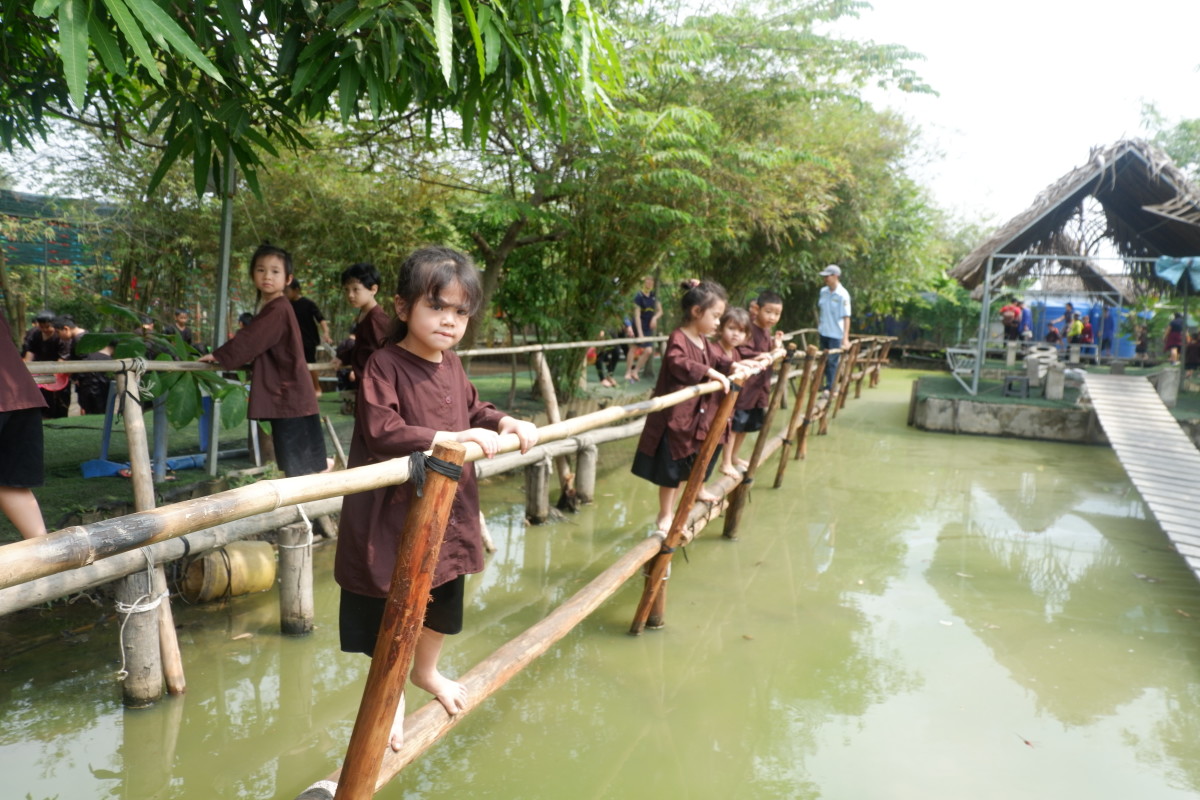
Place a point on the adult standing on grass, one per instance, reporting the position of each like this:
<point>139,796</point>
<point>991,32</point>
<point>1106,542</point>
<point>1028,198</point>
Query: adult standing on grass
<point>646,312</point>
<point>314,328</point>
<point>21,449</point>
<point>833,320</point>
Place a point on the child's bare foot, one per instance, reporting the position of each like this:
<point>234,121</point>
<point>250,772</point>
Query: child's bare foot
<point>705,496</point>
<point>662,524</point>
<point>396,740</point>
<point>741,463</point>
<point>730,471</point>
<point>451,694</point>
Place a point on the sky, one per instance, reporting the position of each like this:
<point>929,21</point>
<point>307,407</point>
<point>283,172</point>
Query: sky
<point>1028,87</point>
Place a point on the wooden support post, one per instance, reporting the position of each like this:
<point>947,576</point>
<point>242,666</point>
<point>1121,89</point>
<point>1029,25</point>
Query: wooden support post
<point>660,563</point>
<point>340,463</point>
<point>403,616</point>
<point>537,492</point>
<point>296,607</point>
<point>149,645</point>
<point>851,361</point>
<point>797,418</point>
<point>566,478</point>
<point>811,407</point>
<point>883,357</point>
<point>737,500</point>
<point>585,472</point>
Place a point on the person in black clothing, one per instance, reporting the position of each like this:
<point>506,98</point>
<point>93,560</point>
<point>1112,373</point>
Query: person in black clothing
<point>181,327</point>
<point>42,343</point>
<point>92,387</point>
<point>314,328</point>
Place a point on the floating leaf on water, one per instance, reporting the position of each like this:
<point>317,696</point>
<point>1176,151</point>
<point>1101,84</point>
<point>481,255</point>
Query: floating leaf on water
<point>243,636</point>
<point>946,622</point>
<point>964,575</point>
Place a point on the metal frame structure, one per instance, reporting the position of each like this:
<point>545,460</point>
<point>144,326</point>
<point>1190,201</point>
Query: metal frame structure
<point>965,361</point>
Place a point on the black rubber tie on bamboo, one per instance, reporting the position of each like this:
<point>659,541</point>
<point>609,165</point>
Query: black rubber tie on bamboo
<point>418,463</point>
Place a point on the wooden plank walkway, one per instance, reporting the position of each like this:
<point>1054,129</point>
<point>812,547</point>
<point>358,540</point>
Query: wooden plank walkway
<point>1157,455</point>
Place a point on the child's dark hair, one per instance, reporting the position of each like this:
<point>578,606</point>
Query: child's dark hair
<point>428,272</point>
<point>267,249</point>
<point>736,316</point>
<point>700,296</point>
<point>364,272</point>
<point>769,297</point>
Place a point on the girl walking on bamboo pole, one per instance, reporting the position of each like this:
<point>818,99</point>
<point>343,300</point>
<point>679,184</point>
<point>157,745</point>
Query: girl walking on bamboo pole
<point>413,394</point>
<point>672,436</point>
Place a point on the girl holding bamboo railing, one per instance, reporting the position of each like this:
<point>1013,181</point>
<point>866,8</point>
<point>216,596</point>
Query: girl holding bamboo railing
<point>413,394</point>
<point>672,436</point>
<point>281,390</point>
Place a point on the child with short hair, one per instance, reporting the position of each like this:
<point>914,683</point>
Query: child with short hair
<point>372,325</point>
<point>672,436</point>
<point>751,408</point>
<point>281,389</point>
<point>413,394</point>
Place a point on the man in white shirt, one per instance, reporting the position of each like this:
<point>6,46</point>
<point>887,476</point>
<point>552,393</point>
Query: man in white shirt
<point>833,320</point>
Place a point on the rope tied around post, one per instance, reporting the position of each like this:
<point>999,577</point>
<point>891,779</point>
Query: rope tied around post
<point>146,602</point>
<point>420,463</point>
<point>308,529</point>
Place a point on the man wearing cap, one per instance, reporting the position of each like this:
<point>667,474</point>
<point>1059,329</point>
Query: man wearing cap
<point>833,320</point>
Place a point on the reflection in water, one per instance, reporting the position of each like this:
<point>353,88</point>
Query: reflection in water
<point>909,605</point>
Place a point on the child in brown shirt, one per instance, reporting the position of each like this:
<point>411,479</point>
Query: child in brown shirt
<point>281,390</point>
<point>414,393</point>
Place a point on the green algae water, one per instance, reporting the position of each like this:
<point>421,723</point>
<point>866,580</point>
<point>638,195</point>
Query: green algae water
<point>912,615</point>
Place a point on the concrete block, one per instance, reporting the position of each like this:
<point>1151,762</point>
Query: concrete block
<point>1168,385</point>
<point>1055,382</point>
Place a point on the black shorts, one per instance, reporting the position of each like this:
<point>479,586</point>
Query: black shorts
<point>21,465</point>
<point>299,445</point>
<point>662,470</point>
<point>748,420</point>
<point>360,617</point>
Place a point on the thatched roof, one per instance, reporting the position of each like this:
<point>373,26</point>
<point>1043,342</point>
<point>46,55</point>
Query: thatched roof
<point>1148,205</point>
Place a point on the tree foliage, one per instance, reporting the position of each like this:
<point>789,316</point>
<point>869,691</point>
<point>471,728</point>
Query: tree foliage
<point>243,77</point>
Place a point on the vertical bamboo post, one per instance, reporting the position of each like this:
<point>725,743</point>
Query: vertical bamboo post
<point>403,616</point>
<point>537,492</point>
<point>159,462</point>
<point>883,357</point>
<point>141,641</point>
<point>844,377</point>
<point>789,436</point>
<point>737,499</point>
<point>660,563</point>
<point>585,472</point>
<point>545,381</point>
<point>811,407</point>
<point>296,607</point>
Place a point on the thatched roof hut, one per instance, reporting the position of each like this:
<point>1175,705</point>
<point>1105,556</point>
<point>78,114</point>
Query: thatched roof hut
<point>1150,209</point>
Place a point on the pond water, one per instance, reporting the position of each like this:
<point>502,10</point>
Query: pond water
<point>913,615</point>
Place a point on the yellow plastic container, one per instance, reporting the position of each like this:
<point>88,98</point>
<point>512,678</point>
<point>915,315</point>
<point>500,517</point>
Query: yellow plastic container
<point>237,568</point>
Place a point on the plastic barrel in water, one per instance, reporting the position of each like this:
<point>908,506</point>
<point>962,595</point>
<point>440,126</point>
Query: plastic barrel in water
<point>235,569</point>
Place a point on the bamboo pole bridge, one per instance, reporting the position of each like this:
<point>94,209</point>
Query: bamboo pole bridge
<point>149,535</point>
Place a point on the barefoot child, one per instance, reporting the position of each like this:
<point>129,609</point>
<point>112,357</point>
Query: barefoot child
<point>733,330</point>
<point>672,436</point>
<point>281,388</point>
<point>413,394</point>
<point>360,282</point>
<point>752,403</point>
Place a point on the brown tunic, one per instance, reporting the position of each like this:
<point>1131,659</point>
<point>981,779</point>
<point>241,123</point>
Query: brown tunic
<point>756,391</point>
<point>685,425</point>
<point>370,334</point>
<point>280,383</point>
<point>18,389</point>
<point>403,400</point>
